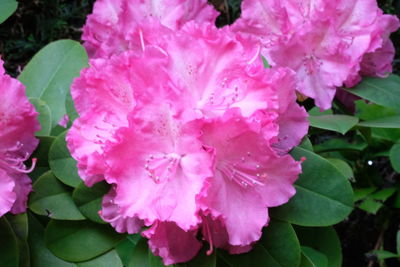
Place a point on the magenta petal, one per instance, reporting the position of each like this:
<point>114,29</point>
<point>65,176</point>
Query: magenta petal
<point>23,186</point>
<point>249,177</point>
<point>111,213</point>
<point>171,243</point>
<point>7,194</point>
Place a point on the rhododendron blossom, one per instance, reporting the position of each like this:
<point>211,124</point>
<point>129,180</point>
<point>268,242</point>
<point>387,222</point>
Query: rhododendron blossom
<point>18,123</point>
<point>119,25</point>
<point>327,43</point>
<point>188,133</point>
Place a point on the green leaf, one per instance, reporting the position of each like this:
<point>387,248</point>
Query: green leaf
<point>125,248</point>
<point>9,251</point>
<point>48,76</point>
<point>40,254</point>
<point>324,240</point>
<point>336,123</point>
<point>374,201</point>
<point>371,112</point>
<point>383,254</point>
<point>394,156</point>
<point>398,242</point>
<point>361,193</point>
<point>42,151</point>
<point>201,260</point>
<point>306,144</point>
<point>315,111</point>
<point>44,116</point>
<point>70,107</point>
<point>140,255</point>
<point>313,258</point>
<point>382,91</point>
<point>324,196</point>
<point>265,63</point>
<point>336,144</point>
<point>77,241</point>
<point>51,198</point>
<point>7,8</point>
<point>392,122</point>
<point>62,164</point>
<point>111,258</point>
<point>89,199</point>
<point>272,250</point>
<point>19,224</point>
<point>343,167</point>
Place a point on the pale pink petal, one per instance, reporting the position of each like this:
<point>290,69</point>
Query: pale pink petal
<point>7,194</point>
<point>171,243</point>
<point>249,176</point>
<point>18,124</point>
<point>111,213</point>
<point>23,186</point>
<point>164,176</point>
<point>117,26</point>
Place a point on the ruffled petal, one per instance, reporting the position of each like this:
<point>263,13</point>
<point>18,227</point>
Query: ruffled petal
<point>249,176</point>
<point>7,194</point>
<point>171,243</point>
<point>23,186</point>
<point>111,213</point>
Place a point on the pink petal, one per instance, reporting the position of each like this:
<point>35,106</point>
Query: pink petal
<point>249,177</point>
<point>111,213</point>
<point>171,243</point>
<point>7,194</point>
<point>23,186</point>
<point>117,26</point>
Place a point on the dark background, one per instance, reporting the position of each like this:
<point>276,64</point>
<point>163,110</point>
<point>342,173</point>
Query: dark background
<point>39,22</point>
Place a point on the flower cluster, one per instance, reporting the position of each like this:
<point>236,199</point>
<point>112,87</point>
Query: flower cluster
<point>119,25</point>
<point>18,123</point>
<point>328,43</point>
<point>193,135</point>
<point>190,129</point>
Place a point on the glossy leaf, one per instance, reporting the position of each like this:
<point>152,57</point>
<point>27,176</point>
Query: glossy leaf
<point>7,8</point>
<point>336,123</point>
<point>394,156</point>
<point>343,167</point>
<point>382,91</point>
<point>313,258</point>
<point>392,122</point>
<point>336,144</point>
<point>324,196</point>
<point>111,258</point>
<point>201,260</point>
<point>49,80</point>
<point>62,164</point>
<point>9,251</point>
<point>40,254</point>
<point>89,199</point>
<point>324,240</point>
<point>78,241</point>
<point>44,116</point>
<point>42,151</point>
<point>51,198</point>
<point>272,250</point>
<point>126,247</point>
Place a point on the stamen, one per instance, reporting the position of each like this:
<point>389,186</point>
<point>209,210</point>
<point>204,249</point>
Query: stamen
<point>141,39</point>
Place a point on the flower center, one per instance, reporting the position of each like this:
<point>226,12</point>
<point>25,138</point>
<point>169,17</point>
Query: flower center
<point>161,167</point>
<point>244,171</point>
<point>10,160</point>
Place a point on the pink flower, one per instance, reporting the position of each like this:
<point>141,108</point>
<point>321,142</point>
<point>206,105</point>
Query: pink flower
<point>248,176</point>
<point>168,128</point>
<point>119,25</point>
<point>18,123</point>
<point>327,43</point>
